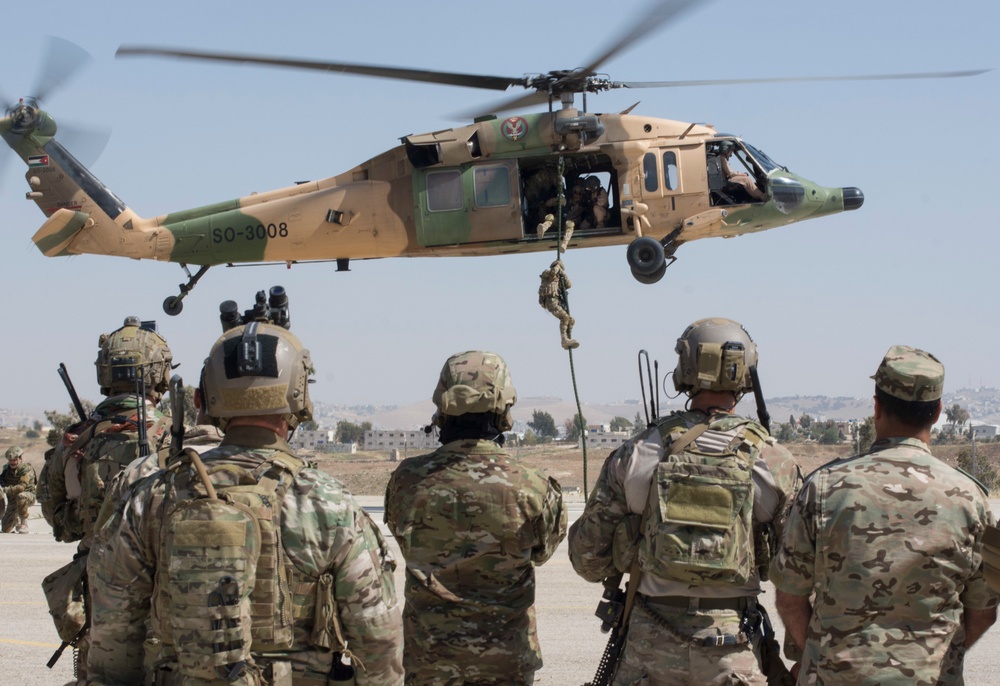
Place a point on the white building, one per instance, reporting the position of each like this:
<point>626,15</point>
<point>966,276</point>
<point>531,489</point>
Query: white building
<point>321,439</point>
<point>401,439</point>
<point>600,437</point>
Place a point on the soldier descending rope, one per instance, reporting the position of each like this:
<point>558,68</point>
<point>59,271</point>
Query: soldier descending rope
<point>552,296</point>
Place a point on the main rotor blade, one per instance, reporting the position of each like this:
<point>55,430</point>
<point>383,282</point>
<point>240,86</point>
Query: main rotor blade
<point>799,79</point>
<point>658,14</point>
<point>500,83</point>
<point>507,105</point>
<point>61,60</point>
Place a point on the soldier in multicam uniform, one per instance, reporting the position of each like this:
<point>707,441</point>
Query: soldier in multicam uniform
<point>552,298</point>
<point>472,524</point>
<point>889,543</point>
<point>18,483</point>
<point>325,582</point>
<point>691,631</point>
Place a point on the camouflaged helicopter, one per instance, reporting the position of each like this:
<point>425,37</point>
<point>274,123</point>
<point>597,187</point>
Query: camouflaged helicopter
<point>480,189</point>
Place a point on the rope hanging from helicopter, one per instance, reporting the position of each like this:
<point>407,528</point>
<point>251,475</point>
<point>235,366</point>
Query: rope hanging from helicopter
<point>553,295</point>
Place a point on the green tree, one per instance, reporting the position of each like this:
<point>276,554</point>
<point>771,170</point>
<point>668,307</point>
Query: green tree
<point>31,433</point>
<point>349,432</point>
<point>190,411</point>
<point>829,436</point>
<point>543,424</point>
<point>866,434</point>
<point>620,424</point>
<point>309,426</point>
<point>638,424</point>
<point>805,421</point>
<point>791,420</point>
<point>984,471</point>
<point>529,438</point>
<point>574,427</point>
<point>786,433</point>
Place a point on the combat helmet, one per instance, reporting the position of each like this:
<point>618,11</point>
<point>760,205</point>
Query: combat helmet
<point>257,369</point>
<point>714,354</point>
<point>475,381</point>
<point>14,452</point>
<point>129,351</point>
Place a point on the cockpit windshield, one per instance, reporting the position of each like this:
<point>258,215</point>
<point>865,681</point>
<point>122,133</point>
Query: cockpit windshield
<point>765,161</point>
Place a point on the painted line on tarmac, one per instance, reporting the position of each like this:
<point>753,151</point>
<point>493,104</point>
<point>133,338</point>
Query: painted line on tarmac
<point>19,642</point>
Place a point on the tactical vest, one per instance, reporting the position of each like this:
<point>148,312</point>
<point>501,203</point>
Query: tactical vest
<point>224,586</point>
<point>700,528</point>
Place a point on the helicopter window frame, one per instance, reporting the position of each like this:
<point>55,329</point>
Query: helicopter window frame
<point>650,173</point>
<point>444,190</point>
<point>499,185</point>
<point>671,170</point>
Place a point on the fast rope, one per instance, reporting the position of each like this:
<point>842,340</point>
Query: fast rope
<point>564,296</point>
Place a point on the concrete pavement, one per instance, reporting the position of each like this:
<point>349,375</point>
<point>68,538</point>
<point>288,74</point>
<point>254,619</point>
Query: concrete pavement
<point>569,633</point>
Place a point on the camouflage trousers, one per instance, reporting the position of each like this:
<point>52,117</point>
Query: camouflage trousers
<point>15,513</point>
<point>665,647</point>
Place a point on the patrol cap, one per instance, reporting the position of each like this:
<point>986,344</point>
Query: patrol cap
<point>910,374</point>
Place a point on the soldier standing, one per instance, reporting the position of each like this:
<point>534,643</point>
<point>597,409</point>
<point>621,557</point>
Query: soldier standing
<point>693,496</point>
<point>18,483</point>
<point>890,544</point>
<point>245,565</point>
<point>472,524</point>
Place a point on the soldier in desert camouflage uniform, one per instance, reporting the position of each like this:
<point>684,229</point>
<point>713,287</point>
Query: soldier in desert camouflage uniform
<point>18,482</point>
<point>323,580</point>
<point>472,524</point>
<point>552,297</point>
<point>888,544</point>
<point>691,630</point>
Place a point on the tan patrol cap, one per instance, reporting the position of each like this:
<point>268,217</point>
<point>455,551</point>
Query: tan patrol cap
<point>910,374</point>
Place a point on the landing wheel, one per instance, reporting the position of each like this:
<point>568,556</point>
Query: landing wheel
<point>645,257</point>
<point>650,278</point>
<point>173,305</point>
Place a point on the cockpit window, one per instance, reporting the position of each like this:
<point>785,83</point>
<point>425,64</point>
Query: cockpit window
<point>766,162</point>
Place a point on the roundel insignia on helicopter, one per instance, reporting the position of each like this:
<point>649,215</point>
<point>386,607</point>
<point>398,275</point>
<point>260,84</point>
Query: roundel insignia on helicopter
<point>514,128</point>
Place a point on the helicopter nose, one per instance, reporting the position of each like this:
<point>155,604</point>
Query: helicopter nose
<point>853,198</point>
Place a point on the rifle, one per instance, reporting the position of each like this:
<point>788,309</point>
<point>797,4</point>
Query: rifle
<point>140,395</point>
<point>758,395</point>
<point>177,413</point>
<point>757,625</point>
<point>64,375</point>
<point>611,612</point>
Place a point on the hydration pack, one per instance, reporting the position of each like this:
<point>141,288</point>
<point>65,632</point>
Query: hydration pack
<point>700,525</point>
<point>223,587</point>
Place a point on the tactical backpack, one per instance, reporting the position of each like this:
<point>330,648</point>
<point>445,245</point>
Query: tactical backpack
<point>223,586</point>
<point>113,444</point>
<point>699,529</point>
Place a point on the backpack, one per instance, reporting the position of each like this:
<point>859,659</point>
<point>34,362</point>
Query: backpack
<point>222,586</point>
<point>113,444</point>
<point>699,530</point>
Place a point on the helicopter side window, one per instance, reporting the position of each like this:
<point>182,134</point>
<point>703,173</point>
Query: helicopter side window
<point>492,185</point>
<point>670,170</point>
<point>444,191</point>
<point>651,179</point>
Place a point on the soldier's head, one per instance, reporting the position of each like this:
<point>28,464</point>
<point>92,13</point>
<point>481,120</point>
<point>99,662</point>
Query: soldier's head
<point>14,455</point>
<point>475,390</point>
<point>592,183</point>
<point>908,386</point>
<point>257,370</point>
<point>130,353</point>
<point>714,355</point>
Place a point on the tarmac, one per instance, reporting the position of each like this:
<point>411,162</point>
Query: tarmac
<point>569,633</point>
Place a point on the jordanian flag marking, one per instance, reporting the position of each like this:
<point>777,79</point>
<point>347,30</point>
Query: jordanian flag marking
<point>38,161</point>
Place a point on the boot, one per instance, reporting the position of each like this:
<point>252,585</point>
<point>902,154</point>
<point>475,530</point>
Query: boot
<point>22,527</point>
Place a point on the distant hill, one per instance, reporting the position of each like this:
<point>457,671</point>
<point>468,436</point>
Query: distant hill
<point>983,405</point>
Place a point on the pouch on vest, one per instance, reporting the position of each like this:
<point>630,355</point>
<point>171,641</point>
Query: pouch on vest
<point>64,592</point>
<point>700,527</point>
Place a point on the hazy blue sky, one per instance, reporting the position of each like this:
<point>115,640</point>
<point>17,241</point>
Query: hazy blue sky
<point>823,299</point>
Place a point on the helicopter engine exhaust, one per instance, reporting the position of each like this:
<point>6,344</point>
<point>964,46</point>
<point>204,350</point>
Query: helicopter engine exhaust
<point>853,198</point>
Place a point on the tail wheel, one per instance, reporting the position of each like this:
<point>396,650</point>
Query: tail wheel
<point>645,257</point>
<point>173,305</point>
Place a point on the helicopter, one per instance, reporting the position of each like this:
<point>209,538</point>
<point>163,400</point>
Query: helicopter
<point>485,188</point>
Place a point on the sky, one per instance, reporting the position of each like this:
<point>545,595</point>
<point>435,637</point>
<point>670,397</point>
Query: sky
<point>824,299</point>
